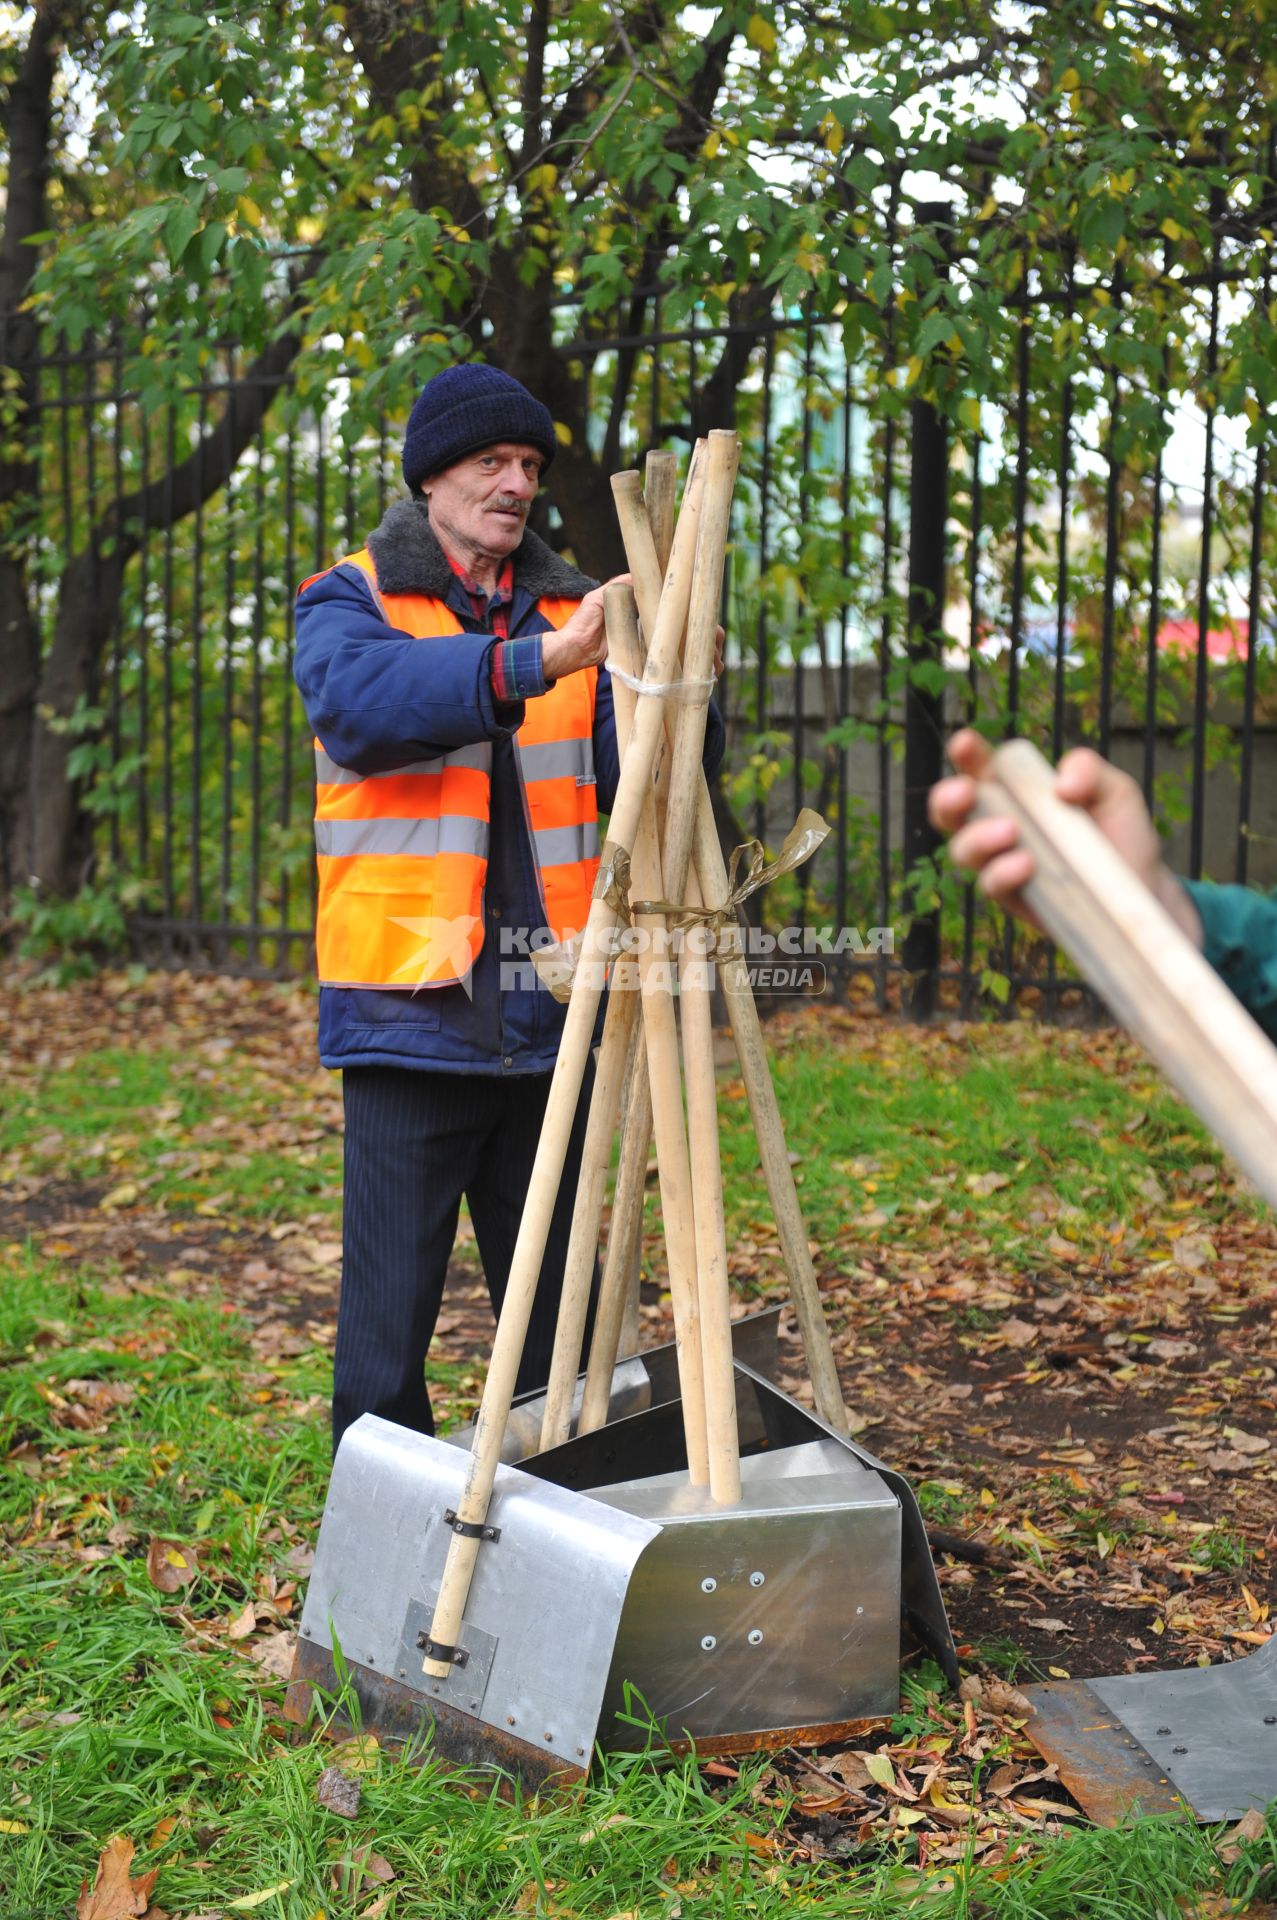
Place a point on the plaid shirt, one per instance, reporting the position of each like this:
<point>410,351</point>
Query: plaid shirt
<point>516,673</point>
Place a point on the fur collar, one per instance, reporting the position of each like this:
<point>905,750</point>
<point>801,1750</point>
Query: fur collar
<point>409,559</point>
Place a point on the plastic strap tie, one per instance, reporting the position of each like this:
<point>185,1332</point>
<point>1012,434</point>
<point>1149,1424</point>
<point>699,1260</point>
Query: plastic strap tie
<point>686,693</point>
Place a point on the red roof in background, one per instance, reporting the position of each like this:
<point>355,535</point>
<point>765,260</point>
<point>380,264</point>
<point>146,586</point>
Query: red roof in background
<point>1229,642</point>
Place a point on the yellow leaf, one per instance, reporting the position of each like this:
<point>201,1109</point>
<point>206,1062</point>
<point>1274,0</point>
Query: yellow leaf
<point>14,1826</point>
<point>1058,1673</point>
<point>563,433</point>
<point>247,1901</point>
<point>1070,79</point>
<point>1172,229</point>
<point>879,1769</point>
<point>360,1754</point>
<point>713,141</point>
<point>541,179</point>
<point>760,33</point>
<point>989,208</point>
<point>249,211</point>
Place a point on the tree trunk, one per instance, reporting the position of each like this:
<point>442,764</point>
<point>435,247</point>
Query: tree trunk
<point>56,829</point>
<point>27,138</point>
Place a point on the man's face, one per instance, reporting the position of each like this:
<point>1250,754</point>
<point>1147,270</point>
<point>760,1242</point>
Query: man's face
<point>480,505</point>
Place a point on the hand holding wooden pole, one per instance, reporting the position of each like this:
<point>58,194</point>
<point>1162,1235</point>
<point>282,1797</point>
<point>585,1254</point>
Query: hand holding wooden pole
<point>1146,968</point>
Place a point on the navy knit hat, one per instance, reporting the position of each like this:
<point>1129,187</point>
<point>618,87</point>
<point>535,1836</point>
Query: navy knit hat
<point>468,407</point>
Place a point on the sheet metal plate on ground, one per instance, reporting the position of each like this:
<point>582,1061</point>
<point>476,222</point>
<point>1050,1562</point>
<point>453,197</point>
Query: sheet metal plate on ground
<point>1208,1733</point>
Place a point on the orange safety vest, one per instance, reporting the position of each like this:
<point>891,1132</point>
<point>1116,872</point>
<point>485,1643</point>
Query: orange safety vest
<point>403,855</point>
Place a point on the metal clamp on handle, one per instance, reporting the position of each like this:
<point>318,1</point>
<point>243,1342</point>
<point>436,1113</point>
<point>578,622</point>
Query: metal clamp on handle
<point>435,1650</point>
<point>470,1529</point>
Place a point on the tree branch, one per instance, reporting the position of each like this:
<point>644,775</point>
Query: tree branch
<point>533,104</point>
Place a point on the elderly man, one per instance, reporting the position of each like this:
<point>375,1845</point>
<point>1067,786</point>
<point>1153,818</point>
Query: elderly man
<point>465,745</point>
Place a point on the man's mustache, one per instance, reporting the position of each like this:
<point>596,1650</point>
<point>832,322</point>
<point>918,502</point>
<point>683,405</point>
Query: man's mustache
<point>510,504</point>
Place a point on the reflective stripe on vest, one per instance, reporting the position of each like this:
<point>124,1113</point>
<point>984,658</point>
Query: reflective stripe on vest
<point>402,855</point>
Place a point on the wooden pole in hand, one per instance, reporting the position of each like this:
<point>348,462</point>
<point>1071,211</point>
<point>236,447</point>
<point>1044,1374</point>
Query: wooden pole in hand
<point>1156,981</point>
<point>747,1032</point>
<point>578,1032</point>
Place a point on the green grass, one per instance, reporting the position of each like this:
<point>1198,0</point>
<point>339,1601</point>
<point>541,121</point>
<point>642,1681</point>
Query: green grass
<point>891,1145</point>
<point>197,1132</point>
<point>123,1709</point>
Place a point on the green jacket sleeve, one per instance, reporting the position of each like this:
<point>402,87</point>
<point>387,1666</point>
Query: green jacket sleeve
<point>1239,928</point>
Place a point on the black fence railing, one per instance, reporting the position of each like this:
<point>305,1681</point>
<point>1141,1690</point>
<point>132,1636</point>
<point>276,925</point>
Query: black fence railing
<point>1084,556</point>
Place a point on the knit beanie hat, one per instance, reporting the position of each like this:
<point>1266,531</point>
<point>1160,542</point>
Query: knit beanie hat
<point>468,407</point>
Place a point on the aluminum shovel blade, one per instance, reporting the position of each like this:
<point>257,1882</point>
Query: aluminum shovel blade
<point>541,1621</point>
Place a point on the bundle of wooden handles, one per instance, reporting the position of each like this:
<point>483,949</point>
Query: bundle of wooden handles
<point>677,573</point>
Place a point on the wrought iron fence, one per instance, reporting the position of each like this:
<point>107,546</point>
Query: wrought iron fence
<point>1082,557</point>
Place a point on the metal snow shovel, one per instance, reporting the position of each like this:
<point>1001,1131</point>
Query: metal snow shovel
<point>1205,1738</point>
<point>615,1590</point>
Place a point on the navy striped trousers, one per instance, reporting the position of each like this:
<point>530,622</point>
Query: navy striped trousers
<point>415,1143</point>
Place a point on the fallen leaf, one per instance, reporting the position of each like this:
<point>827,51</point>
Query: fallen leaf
<point>613,1820</point>
<point>851,1769</point>
<point>1048,1624</point>
<point>1246,1442</point>
<point>985,1183</point>
<point>243,1624</point>
<point>122,1196</point>
<point>879,1769</point>
<point>115,1895</point>
<point>339,1792</point>
<point>1193,1250</point>
<point>363,1868</point>
<point>14,1826</point>
<point>1252,1826</point>
<point>359,1754</point>
<point>247,1901</point>
<point>169,1565</point>
<point>274,1654</point>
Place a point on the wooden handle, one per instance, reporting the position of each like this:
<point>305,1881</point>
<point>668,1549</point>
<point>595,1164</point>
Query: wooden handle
<point>1145,967</point>
<point>587,1212</point>
<point>713,1285</point>
<point>565,1085</point>
<point>660,482</point>
<point>686,777</point>
<point>624,1234</point>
